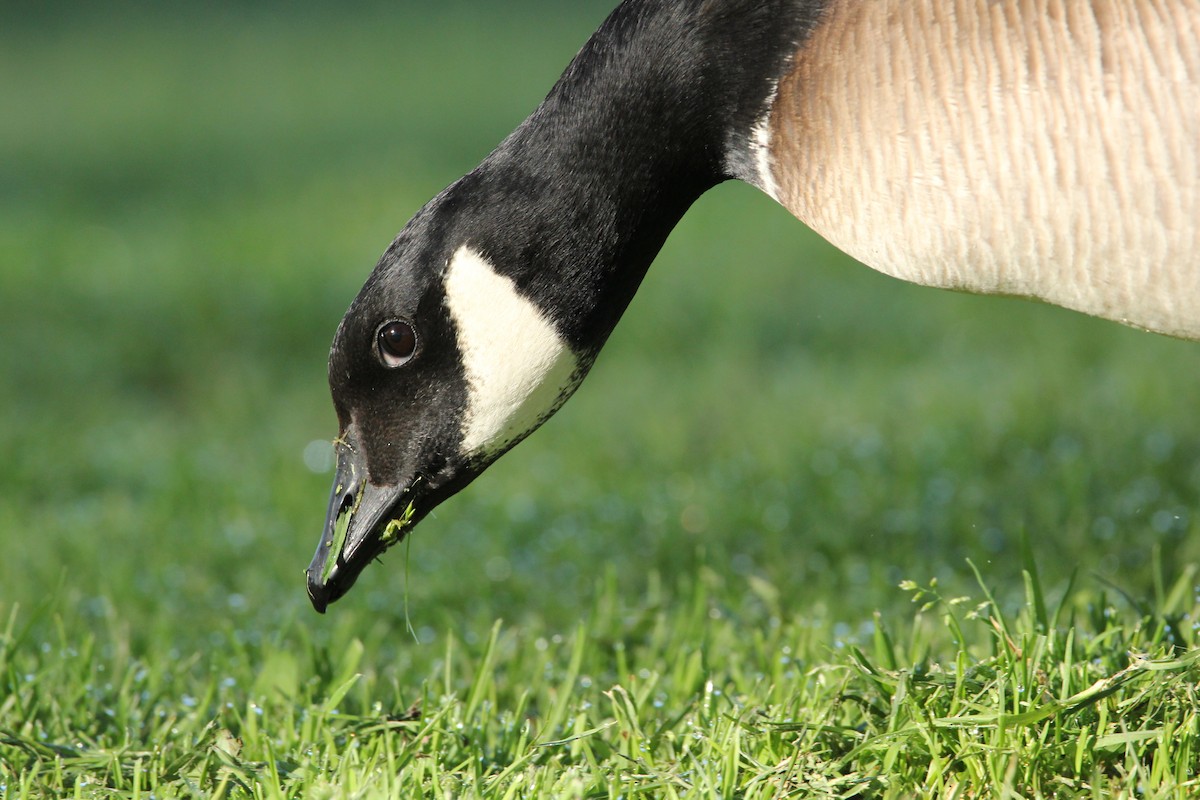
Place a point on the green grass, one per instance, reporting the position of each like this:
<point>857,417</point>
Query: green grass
<point>698,562</point>
<point>672,695</point>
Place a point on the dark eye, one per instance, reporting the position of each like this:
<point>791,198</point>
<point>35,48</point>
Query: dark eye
<point>397,343</point>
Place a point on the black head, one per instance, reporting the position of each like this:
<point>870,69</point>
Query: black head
<point>440,365</point>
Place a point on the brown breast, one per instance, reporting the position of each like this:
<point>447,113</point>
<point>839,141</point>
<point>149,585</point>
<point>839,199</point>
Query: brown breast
<point>1045,148</point>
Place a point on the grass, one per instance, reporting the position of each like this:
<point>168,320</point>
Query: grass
<point>670,696</point>
<point>698,562</point>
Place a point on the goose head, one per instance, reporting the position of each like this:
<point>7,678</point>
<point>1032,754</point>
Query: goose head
<point>441,364</point>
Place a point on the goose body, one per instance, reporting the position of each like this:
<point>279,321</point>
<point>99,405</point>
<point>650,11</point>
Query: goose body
<point>1045,149</point>
<point>1040,148</point>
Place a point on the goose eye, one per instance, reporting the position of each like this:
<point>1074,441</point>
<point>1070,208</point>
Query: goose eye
<point>397,343</point>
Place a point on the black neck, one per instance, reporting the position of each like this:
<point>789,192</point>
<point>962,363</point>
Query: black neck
<point>656,109</point>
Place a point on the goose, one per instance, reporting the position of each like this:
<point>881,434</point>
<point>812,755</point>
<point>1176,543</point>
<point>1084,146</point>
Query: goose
<point>1039,148</point>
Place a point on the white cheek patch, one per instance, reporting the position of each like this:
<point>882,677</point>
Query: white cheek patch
<point>518,369</point>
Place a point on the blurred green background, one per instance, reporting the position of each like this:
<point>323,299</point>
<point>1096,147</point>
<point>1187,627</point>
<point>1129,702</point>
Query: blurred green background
<point>190,196</point>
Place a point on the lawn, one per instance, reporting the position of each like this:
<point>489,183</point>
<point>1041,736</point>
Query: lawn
<point>805,531</point>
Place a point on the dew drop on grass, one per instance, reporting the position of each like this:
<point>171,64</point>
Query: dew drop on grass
<point>994,540</point>
<point>521,508</point>
<point>776,517</point>
<point>498,569</point>
<point>1103,528</point>
<point>1159,445</point>
<point>1164,520</point>
<point>694,519</point>
<point>318,456</point>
